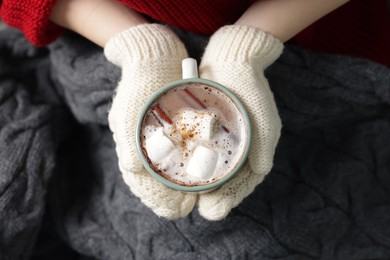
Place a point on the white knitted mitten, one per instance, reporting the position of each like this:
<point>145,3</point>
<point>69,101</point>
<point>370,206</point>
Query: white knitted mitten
<point>150,56</point>
<point>236,57</point>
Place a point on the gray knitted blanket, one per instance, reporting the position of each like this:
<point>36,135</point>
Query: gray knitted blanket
<point>62,195</point>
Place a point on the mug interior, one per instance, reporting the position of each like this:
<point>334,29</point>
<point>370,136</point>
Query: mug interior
<point>172,184</point>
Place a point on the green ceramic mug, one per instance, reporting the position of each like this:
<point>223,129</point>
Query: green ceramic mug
<point>193,134</point>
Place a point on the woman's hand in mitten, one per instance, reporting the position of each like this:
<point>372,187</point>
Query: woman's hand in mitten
<point>150,56</point>
<point>236,57</point>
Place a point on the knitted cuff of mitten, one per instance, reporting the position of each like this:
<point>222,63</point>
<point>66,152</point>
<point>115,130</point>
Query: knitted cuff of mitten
<point>144,42</point>
<point>237,43</point>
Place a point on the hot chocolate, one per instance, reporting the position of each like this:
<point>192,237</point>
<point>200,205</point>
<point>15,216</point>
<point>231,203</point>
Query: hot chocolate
<point>194,134</point>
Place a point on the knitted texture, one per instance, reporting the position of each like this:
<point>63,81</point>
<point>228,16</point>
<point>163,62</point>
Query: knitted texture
<point>201,16</point>
<point>359,28</point>
<point>236,57</point>
<point>217,204</point>
<point>31,17</point>
<point>150,56</point>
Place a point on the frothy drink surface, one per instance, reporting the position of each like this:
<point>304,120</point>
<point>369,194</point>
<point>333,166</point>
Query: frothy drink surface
<point>193,135</point>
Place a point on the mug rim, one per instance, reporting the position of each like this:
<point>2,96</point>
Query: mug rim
<point>171,184</point>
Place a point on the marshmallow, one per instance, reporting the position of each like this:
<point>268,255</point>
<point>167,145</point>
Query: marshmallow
<point>158,145</point>
<point>202,163</point>
<point>200,124</point>
<point>171,160</point>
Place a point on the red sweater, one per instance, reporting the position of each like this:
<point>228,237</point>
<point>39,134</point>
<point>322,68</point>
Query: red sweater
<point>360,28</point>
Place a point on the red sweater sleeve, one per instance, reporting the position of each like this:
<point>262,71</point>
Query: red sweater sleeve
<point>359,28</point>
<point>32,18</point>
